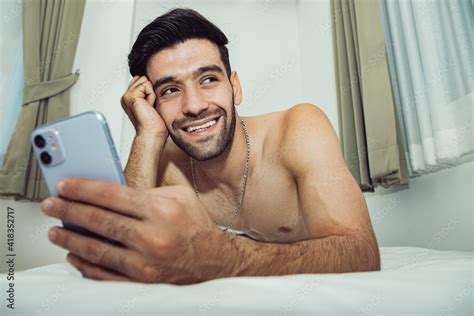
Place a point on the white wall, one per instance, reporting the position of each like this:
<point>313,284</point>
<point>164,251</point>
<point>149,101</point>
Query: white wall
<point>283,53</point>
<point>102,59</point>
<point>435,212</point>
<point>316,51</point>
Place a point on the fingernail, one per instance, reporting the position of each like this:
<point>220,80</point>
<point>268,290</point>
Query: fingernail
<point>60,186</point>
<point>52,234</point>
<point>46,205</point>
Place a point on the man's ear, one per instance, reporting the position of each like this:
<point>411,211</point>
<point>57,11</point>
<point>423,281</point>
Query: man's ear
<point>236,87</point>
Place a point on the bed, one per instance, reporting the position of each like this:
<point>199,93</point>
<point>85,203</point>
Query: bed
<point>413,281</point>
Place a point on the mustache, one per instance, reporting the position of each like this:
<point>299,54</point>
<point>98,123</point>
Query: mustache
<point>190,119</point>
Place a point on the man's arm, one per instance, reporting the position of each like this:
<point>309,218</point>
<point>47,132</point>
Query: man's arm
<point>142,165</point>
<point>333,206</point>
<point>331,254</point>
<point>151,134</point>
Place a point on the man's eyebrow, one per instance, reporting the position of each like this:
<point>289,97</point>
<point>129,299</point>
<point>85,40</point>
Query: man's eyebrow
<point>208,68</point>
<point>163,80</point>
<point>196,73</point>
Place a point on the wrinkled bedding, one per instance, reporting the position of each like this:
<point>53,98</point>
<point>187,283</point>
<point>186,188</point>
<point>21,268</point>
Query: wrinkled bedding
<point>413,281</point>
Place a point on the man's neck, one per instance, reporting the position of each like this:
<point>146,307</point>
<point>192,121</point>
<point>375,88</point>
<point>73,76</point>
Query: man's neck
<point>228,167</point>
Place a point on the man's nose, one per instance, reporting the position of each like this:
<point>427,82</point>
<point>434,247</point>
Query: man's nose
<point>194,102</point>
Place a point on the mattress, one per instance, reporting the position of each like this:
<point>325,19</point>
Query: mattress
<point>413,281</point>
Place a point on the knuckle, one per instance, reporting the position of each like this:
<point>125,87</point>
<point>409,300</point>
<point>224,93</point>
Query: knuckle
<point>172,212</point>
<point>120,231</point>
<point>140,236</point>
<point>122,263</point>
<point>148,84</point>
<point>66,241</point>
<point>152,273</point>
<point>71,189</point>
<point>62,208</point>
<point>128,230</point>
<point>108,193</point>
<point>128,100</point>
<point>138,87</point>
<point>123,103</point>
<point>125,98</point>
<point>94,218</point>
<point>160,246</point>
<point>111,229</point>
<point>100,252</point>
<point>92,254</point>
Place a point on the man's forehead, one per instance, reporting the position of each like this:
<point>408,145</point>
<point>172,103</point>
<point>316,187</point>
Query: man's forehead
<point>183,59</point>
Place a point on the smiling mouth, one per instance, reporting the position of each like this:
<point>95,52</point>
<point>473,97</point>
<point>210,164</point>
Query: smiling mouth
<point>195,129</point>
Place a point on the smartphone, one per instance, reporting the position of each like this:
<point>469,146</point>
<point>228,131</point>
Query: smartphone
<point>77,146</point>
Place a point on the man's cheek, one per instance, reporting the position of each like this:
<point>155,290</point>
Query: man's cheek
<point>167,117</point>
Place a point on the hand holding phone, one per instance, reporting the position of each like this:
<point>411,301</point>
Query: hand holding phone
<point>77,146</point>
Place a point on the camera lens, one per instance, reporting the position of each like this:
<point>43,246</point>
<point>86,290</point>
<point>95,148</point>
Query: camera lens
<point>45,158</point>
<point>39,141</point>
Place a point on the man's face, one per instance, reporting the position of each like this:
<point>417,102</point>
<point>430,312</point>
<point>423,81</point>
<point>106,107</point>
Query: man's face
<point>194,97</point>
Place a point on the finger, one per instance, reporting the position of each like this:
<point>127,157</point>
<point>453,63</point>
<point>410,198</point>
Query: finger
<point>109,195</point>
<point>104,254</point>
<point>103,222</point>
<point>93,271</point>
<point>150,94</point>
<point>138,82</point>
<point>134,79</point>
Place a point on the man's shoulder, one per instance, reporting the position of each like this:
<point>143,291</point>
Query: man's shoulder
<point>302,113</point>
<point>282,126</point>
<point>300,121</point>
<point>305,128</point>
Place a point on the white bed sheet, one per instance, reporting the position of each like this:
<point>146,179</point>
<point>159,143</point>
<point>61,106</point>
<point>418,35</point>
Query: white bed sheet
<point>413,281</point>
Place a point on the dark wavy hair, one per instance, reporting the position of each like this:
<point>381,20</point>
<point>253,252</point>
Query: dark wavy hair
<point>170,29</point>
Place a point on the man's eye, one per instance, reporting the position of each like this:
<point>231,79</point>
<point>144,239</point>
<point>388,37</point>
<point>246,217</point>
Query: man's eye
<point>209,80</point>
<point>169,91</point>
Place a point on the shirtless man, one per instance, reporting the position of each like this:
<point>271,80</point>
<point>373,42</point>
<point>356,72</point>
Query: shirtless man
<point>212,194</point>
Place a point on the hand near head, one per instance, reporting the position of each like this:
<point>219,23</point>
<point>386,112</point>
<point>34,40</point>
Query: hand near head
<point>139,104</point>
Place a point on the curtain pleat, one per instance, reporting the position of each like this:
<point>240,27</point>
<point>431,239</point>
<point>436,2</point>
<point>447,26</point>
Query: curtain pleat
<point>51,32</point>
<point>431,68</point>
<point>368,128</point>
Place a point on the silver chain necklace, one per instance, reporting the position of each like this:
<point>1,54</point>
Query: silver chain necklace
<point>244,182</point>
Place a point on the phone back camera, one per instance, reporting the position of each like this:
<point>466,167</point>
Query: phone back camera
<point>48,147</point>
<point>45,158</point>
<point>40,142</point>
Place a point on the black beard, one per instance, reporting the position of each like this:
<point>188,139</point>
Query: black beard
<point>225,138</point>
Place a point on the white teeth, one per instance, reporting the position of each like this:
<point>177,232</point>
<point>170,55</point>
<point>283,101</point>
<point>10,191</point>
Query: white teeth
<point>203,126</point>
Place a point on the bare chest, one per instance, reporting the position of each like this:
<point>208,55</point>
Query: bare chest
<point>270,210</point>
